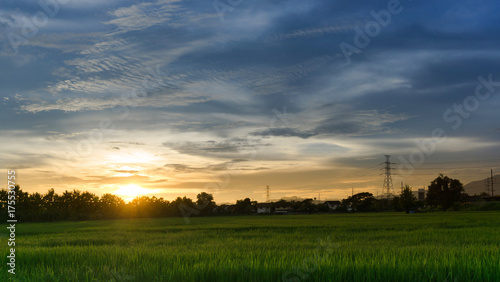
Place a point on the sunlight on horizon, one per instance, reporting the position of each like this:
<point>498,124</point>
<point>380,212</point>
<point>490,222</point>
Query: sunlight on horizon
<point>131,191</point>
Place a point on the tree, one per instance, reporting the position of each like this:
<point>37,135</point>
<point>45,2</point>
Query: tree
<point>362,202</point>
<point>245,206</point>
<point>86,203</point>
<point>407,199</point>
<point>183,207</point>
<point>36,207</point>
<point>22,204</point>
<point>111,206</point>
<point>445,192</point>
<point>484,195</point>
<point>205,203</point>
<point>49,201</point>
<point>144,206</point>
<point>308,206</point>
<point>3,205</point>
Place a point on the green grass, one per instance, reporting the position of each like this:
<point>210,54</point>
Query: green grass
<point>462,246</point>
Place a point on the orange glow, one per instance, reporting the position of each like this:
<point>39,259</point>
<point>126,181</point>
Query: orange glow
<point>131,191</point>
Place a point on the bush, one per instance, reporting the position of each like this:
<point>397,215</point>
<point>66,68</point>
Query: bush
<point>486,207</point>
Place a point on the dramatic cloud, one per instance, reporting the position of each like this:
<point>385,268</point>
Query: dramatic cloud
<point>182,96</point>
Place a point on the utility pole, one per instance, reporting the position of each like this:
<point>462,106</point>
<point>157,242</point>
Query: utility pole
<point>267,193</point>
<point>491,182</point>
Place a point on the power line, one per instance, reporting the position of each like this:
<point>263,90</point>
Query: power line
<point>370,175</point>
<point>326,183</point>
<point>358,179</point>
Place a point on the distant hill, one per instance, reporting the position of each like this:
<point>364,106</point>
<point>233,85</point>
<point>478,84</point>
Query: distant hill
<point>479,186</point>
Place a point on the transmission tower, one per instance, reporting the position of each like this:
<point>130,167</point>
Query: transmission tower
<point>388,187</point>
<point>267,193</point>
<point>489,185</point>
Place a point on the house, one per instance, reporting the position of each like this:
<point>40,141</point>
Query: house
<point>264,208</point>
<point>332,205</point>
<point>283,207</point>
<point>283,210</point>
<point>227,209</point>
<point>421,195</point>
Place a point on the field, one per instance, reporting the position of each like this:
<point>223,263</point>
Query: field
<point>460,246</point>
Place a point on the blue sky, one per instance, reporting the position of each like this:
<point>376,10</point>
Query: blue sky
<point>180,97</point>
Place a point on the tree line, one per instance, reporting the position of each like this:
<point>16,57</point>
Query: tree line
<point>443,194</point>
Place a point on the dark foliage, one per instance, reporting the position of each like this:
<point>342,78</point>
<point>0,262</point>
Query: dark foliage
<point>445,193</point>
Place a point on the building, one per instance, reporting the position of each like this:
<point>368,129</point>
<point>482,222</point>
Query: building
<point>421,194</point>
<point>264,208</point>
<point>332,205</point>
<point>283,207</point>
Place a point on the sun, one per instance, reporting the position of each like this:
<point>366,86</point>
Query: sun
<point>131,191</point>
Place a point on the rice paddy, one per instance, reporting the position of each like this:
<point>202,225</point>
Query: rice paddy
<point>460,246</point>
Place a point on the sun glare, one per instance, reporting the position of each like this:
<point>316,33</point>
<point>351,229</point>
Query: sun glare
<point>131,191</point>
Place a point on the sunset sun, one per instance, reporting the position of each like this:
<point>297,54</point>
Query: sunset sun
<point>131,191</point>
<point>250,140</point>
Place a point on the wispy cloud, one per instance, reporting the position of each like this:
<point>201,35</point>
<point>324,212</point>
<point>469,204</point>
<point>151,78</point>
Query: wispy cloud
<point>267,85</point>
<point>144,15</point>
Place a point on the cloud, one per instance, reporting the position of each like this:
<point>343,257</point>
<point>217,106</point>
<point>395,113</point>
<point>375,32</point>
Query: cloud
<point>268,85</point>
<point>333,119</point>
<point>128,143</point>
<point>96,104</point>
<point>234,165</point>
<point>233,148</point>
<point>55,136</point>
<point>316,31</point>
<point>359,123</point>
<point>284,132</point>
<point>144,15</point>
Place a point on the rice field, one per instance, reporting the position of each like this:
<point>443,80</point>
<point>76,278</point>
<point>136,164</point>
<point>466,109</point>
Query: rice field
<point>459,246</point>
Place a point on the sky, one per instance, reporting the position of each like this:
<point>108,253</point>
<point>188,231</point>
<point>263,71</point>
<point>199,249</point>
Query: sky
<point>172,98</point>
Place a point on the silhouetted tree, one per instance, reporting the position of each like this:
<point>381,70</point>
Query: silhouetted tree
<point>22,204</point>
<point>3,205</point>
<point>308,206</point>
<point>145,206</point>
<point>183,207</point>
<point>111,206</point>
<point>362,202</point>
<point>86,205</point>
<point>245,206</point>
<point>36,207</point>
<point>406,199</point>
<point>445,192</point>
<point>323,207</point>
<point>205,203</point>
<point>50,205</point>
